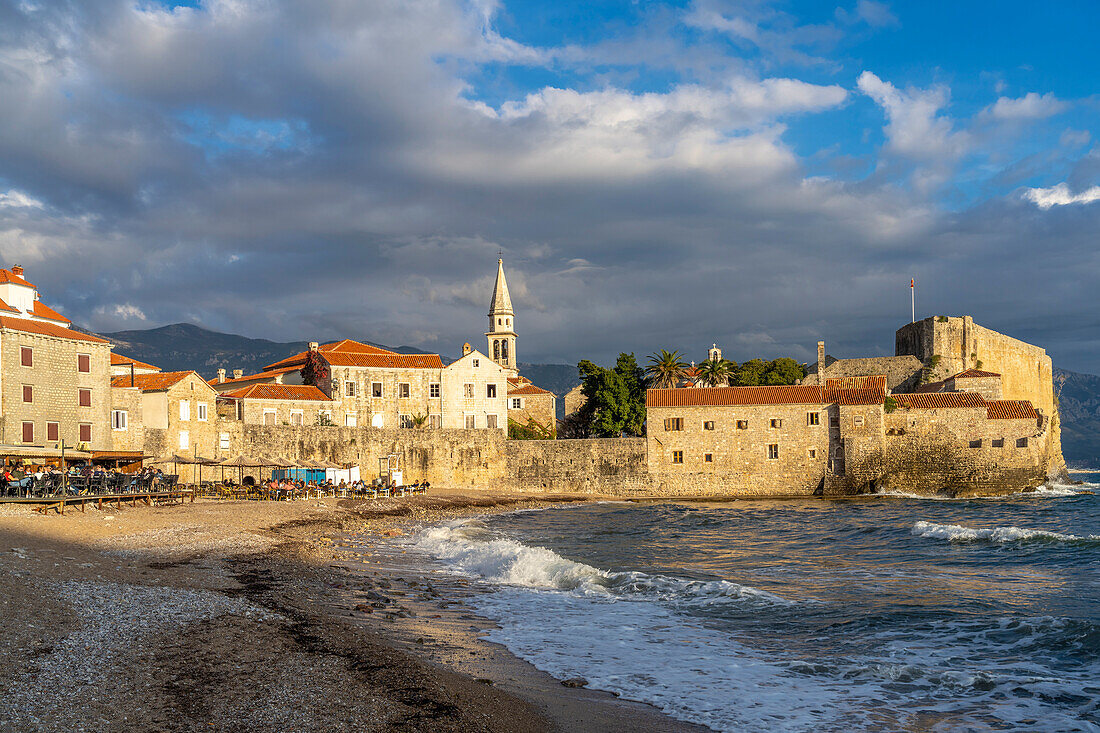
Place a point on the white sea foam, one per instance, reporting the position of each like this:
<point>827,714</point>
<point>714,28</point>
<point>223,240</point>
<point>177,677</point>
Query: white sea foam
<point>959,533</point>
<point>1051,490</point>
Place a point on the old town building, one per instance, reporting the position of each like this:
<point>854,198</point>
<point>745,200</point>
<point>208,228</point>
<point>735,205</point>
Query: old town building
<point>531,407</point>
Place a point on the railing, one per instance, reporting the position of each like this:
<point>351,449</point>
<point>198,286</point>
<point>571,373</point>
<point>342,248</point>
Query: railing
<point>59,486</point>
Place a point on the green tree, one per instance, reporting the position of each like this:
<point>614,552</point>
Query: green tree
<point>751,373</point>
<point>714,373</point>
<point>783,371</point>
<point>666,369</point>
<point>614,399</point>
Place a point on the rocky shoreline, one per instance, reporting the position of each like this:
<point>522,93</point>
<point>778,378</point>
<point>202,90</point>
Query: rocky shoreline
<point>257,616</point>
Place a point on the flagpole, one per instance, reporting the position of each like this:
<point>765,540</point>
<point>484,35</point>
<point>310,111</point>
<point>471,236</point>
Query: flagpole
<point>913,299</point>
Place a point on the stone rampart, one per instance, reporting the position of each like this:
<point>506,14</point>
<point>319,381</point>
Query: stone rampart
<point>596,466</point>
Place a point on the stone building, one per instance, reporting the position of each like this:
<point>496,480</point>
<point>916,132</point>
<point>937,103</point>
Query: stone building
<point>532,407</point>
<point>475,392</point>
<point>903,373</point>
<point>502,334</point>
<point>54,381</point>
<point>277,404</point>
<point>124,365</point>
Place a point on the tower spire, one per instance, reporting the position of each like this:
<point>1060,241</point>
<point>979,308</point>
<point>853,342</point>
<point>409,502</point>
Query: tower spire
<point>501,303</point>
<point>502,333</point>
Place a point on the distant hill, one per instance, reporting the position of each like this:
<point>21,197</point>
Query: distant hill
<point>1079,407</point>
<point>187,346</point>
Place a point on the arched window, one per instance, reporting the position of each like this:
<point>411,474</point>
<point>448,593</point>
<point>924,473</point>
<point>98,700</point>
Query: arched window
<point>496,350</point>
<point>504,352</point>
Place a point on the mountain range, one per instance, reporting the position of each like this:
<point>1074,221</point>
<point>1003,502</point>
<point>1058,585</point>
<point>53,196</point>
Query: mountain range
<point>187,346</point>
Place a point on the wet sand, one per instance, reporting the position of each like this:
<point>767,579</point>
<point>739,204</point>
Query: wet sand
<point>263,616</point>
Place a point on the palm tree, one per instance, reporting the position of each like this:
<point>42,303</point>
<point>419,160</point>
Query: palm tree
<point>666,369</point>
<point>714,373</point>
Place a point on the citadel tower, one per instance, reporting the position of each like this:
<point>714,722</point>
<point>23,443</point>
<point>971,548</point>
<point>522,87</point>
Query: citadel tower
<point>501,333</point>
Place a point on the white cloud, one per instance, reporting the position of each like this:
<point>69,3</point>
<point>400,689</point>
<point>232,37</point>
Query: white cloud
<point>875,14</point>
<point>1060,195</point>
<point>18,199</point>
<point>914,126</point>
<point>1031,106</point>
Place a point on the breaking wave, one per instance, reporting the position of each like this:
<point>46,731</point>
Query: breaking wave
<point>959,533</point>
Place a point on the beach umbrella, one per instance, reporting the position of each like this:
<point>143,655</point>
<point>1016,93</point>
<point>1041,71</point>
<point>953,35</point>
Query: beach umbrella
<point>240,462</point>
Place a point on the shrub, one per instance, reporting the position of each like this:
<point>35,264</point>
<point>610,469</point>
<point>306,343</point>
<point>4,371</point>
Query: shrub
<point>889,404</point>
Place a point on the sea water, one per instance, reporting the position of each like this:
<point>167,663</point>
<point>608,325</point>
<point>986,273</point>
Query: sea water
<point>886,614</point>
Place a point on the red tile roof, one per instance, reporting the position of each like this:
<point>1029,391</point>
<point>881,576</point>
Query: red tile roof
<point>385,361</point>
<point>863,396</point>
<point>266,374</point>
<point>728,396</point>
<point>527,389</point>
<point>277,392</point>
<point>877,382</point>
<point>974,374</point>
<point>930,388</point>
<point>7,276</point>
<point>1011,410</point>
<point>938,400</point>
<point>46,329</point>
<point>42,310</point>
<point>5,307</point>
<point>120,360</point>
<point>151,382</point>
<point>347,346</point>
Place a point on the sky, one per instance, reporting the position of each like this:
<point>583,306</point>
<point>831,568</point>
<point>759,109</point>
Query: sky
<point>755,174</point>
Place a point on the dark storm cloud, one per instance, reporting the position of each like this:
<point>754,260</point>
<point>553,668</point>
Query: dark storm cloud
<point>319,170</point>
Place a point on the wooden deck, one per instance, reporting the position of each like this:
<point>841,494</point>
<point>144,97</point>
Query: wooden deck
<point>44,504</point>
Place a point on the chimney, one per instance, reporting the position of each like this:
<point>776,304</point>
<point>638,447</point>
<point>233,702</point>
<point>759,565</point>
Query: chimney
<point>238,373</point>
<point>466,348</point>
<point>17,270</point>
<point>221,376</point>
<point>821,362</point>
<point>313,345</point>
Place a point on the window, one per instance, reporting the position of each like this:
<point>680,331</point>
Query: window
<point>296,417</point>
<point>404,421</point>
<point>223,441</point>
<point>378,420</point>
<point>119,419</point>
<point>269,417</point>
<point>351,421</point>
<point>813,418</point>
<point>708,458</point>
<point>776,423</point>
<point>976,444</point>
<point>812,453</point>
<point>28,432</point>
<point>435,421</point>
<point>517,403</point>
<point>84,363</point>
<point>858,421</point>
<point>773,451</point>
<point>1021,442</point>
<point>200,411</point>
<point>470,422</point>
<point>496,348</point>
<point>85,397</point>
<point>433,391</point>
<point>185,409</point>
<point>53,431</point>
<point>673,424</point>
<point>403,390</point>
<point>490,391</point>
<point>677,456</point>
<point>376,389</point>
<point>185,440</point>
<point>708,425</point>
<point>998,442</point>
<point>477,363</point>
<point>349,389</point>
<point>85,432</point>
<point>26,356</point>
<point>28,393</point>
<point>742,424</point>
<point>468,391</point>
<point>490,421</point>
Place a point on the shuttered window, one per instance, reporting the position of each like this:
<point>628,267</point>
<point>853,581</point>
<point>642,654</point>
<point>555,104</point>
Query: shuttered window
<point>83,363</point>
<point>85,398</point>
<point>28,393</point>
<point>28,432</point>
<point>53,431</point>
<point>26,356</point>
<point>85,432</point>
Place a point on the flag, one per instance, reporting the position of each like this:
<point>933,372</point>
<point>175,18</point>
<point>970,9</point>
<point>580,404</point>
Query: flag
<point>913,282</point>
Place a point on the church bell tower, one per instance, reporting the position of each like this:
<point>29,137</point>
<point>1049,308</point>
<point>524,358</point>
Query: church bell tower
<point>502,334</point>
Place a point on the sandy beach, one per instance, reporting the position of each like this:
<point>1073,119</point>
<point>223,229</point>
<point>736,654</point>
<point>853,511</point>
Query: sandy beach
<point>264,616</point>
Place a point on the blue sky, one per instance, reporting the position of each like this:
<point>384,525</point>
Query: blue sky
<point>659,175</point>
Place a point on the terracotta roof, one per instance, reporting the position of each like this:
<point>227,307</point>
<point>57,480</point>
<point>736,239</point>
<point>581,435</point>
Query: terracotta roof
<point>347,346</point>
<point>7,276</point>
<point>938,400</point>
<point>1011,410</point>
<point>46,329</point>
<point>859,396</point>
<point>277,392</point>
<point>877,381</point>
<point>727,396</point>
<point>266,374</point>
<point>42,310</point>
<point>527,389</point>
<point>151,382</point>
<point>974,374</point>
<point>120,360</point>
<point>5,307</point>
<point>931,387</point>
<point>385,361</point>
